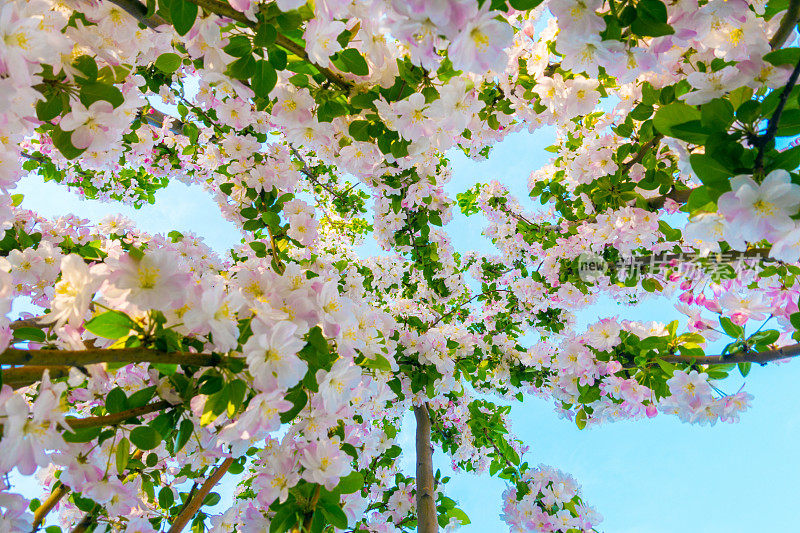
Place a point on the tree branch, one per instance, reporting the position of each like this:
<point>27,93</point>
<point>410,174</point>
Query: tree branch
<point>117,418</point>
<point>28,322</point>
<point>13,356</point>
<point>41,512</point>
<point>643,150</point>
<point>786,352</point>
<point>84,524</point>
<point>681,196</point>
<point>32,374</point>
<point>306,170</point>
<point>139,11</point>
<point>225,10</point>
<point>772,127</point>
<point>426,503</point>
<point>312,505</point>
<point>193,505</point>
<point>788,22</point>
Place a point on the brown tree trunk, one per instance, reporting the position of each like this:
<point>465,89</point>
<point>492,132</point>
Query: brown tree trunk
<point>426,502</point>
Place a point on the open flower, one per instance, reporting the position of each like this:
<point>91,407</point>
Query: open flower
<point>761,211</point>
<point>89,126</point>
<point>321,43</point>
<point>272,355</point>
<point>73,293</point>
<point>479,46</point>
<point>153,280</point>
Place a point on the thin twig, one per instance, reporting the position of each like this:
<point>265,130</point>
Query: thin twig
<point>225,10</point>
<point>117,418</point>
<point>193,506</point>
<point>788,22</point>
<point>772,127</point>
<point>306,170</point>
<point>786,352</point>
<point>312,506</point>
<point>643,150</point>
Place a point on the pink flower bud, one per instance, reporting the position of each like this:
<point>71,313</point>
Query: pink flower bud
<point>713,306</point>
<point>740,319</point>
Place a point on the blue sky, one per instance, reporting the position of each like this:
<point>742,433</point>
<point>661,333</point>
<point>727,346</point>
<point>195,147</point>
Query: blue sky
<point>649,476</point>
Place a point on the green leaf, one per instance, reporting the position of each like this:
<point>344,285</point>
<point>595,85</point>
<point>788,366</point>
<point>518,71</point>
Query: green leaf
<point>29,334</point>
<point>700,200</point>
<point>580,419</point>
<point>264,78</point>
<point>764,338</point>
<point>359,130</point>
<point>215,405</point>
<point>748,111</point>
<point>524,5</point>
<point>668,368</point>
<point>692,132</point>
<point>87,66</point>
<point>141,397</point>
<point>47,110</point>
<point>243,68</point>
<point>730,328</point>
<point>122,454</point>
<point>651,18</point>
<point>110,325</point>
<point>716,114</point>
<point>459,515</point>
<point>335,515</point>
<point>351,483</point>
<point>265,35</point>
<point>711,172</point>
<point>278,58</point>
<point>183,14</point>
<point>354,61</point>
<point>82,435</point>
<point>789,124</point>
<point>786,159</point>
<point>238,389</point>
<point>329,110</point>
<point>184,434</point>
<point>145,437</point>
<point>212,499</point>
<point>116,401</point>
<point>166,498</point>
<point>168,63</point>
<point>379,363</point>
<point>589,394</point>
<point>299,399</point>
<point>794,320</point>
<point>784,56</point>
<point>92,92</point>
<point>669,116</point>
<point>399,149</point>
<point>284,519</point>
<point>744,368</point>
<point>63,141</point>
<point>238,46</point>
<point>363,100</point>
